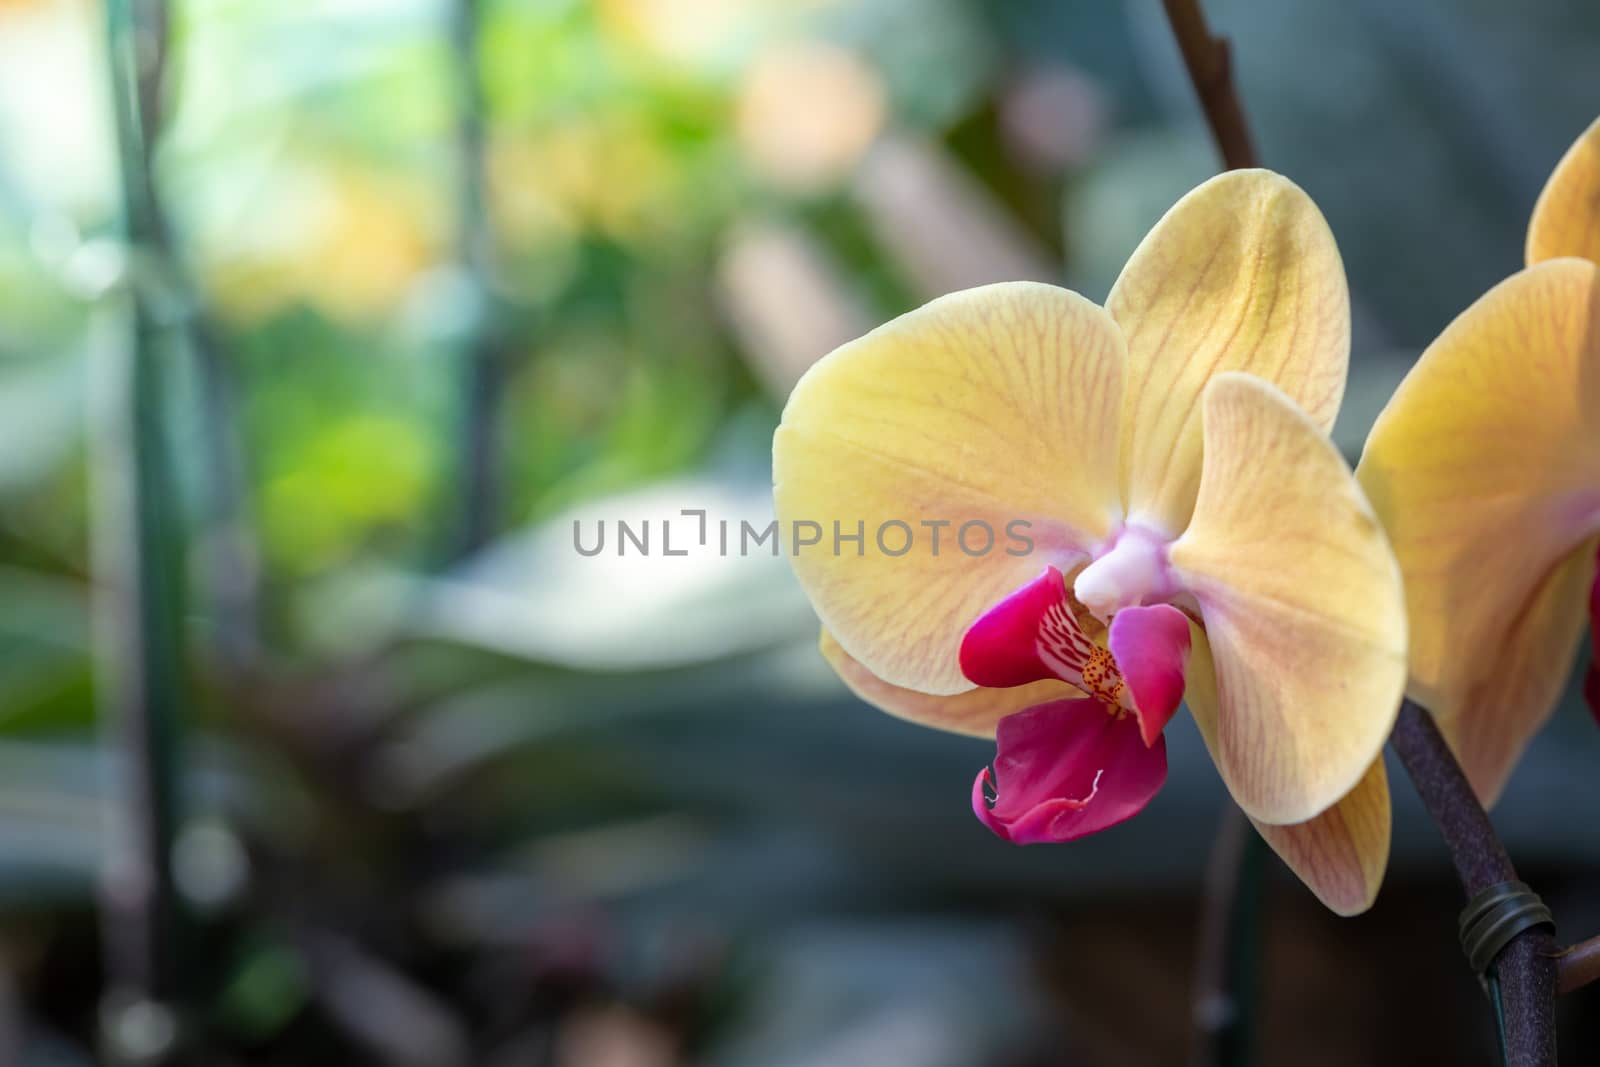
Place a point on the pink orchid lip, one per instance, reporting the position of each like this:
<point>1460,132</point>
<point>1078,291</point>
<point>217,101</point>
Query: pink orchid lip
<point>1028,636</point>
<point>1034,634</point>
<point>1072,767</point>
<point>1151,646</point>
<point>1067,769</point>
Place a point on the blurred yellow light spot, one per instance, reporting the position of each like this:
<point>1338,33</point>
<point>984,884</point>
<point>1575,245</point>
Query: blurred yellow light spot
<point>601,172</point>
<point>694,32</point>
<point>349,242</point>
<point>808,111</point>
<point>678,29</point>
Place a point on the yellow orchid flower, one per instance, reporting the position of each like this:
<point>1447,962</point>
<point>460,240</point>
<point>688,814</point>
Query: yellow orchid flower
<point>1022,515</point>
<point>1485,467</point>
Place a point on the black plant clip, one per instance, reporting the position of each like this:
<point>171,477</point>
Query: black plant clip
<point>1495,916</point>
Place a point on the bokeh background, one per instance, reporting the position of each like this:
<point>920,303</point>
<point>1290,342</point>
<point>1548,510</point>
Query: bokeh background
<point>430,282</point>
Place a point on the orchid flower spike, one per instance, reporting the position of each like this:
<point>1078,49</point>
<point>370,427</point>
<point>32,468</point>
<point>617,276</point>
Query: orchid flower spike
<point>1485,467</point>
<point>1052,521</point>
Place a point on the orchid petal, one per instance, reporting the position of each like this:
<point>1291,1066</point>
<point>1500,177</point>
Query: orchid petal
<point>1301,599</point>
<point>1524,682</point>
<point>993,405</point>
<point>1485,467</point>
<point>1566,218</point>
<point>1341,854</point>
<point>1241,274</point>
<point>1008,644</point>
<point>1151,647</point>
<point>1067,769</point>
<point>975,712</point>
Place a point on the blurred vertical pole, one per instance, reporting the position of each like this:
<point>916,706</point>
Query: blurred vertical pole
<point>232,566</point>
<point>227,548</point>
<point>1229,948</point>
<point>477,475</point>
<point>138,610</point>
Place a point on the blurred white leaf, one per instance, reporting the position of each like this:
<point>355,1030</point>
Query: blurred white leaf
<point>535,596</point>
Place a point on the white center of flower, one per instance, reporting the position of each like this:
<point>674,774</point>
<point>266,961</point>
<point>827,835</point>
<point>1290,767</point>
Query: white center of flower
<point>1131,569</point>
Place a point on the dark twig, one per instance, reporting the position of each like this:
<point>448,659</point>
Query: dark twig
<point>1229,944</point>
<point>139,590</point>
<point>1526,969</point>
<point>477,477</point>
<point>1211,69</point>
<point>1578,965</point>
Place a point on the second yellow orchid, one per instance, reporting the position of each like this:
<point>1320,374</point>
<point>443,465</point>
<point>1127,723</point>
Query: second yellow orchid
<point>1177,525</point>
<point>1485,467</point>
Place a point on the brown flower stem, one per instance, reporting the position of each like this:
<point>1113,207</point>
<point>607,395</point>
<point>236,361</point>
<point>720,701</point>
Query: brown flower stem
<point>1525,970</point>
<point>1211,69</point>
<point>1578,965</point>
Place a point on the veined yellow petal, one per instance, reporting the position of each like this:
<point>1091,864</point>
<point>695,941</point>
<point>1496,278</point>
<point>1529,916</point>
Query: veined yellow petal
<point>1340,855</point>
<point>1566,218</point>
<point>1485,467</point>
<point>976,712</point>
<point>1515,696</point>
<point>1242,274</point>
<point>992,406</point>
<point>1301,601</point>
